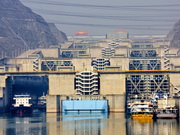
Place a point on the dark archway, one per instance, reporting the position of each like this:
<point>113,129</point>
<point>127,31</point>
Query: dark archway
<point>35,86</point>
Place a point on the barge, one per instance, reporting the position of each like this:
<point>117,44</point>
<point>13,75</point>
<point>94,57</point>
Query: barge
<point>167,112</point>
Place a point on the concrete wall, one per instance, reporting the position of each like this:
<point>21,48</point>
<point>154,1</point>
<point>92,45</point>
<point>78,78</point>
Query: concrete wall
<point>2,85</point>
<point>82,64</point>
<point>173,50</point>
<point>3,80</point>
<point>116,103</point>
<point>121,62</point>
<point>2,90</point>
<point>50,52</point>
<point>175,61</point>
<point>104,44</point>
<point>52,103</point>
<point>24,64</point>
<point>61,84</point>
<point>112,84</point>
<point>95,52</point>
<point>160,51</point>
<point>174,82</point>
<point>157,43</point>
<point>121,51</point>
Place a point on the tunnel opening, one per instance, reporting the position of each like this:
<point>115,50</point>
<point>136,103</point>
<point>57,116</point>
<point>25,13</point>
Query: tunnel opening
<point>34,86</point>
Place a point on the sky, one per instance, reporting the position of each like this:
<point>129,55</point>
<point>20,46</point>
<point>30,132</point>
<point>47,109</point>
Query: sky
<point>98,17</point>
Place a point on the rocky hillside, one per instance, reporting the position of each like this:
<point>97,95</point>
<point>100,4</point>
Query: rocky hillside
<point>21,29</point>
<point>174,35</point>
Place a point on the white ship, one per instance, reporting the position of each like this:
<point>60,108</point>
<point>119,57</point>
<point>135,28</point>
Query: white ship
<point>167,112</point>
<point>22,104</point>
<point>41,103</point>
<point>142,110</point>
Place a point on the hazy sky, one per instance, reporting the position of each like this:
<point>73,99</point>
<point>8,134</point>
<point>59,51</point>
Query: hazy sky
<point>99,17</point>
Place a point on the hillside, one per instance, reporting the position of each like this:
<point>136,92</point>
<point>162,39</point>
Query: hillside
<point>174,35</point>
<point>21,29</point>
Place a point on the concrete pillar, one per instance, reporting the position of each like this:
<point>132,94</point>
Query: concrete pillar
<point>177,104</point>
<point>3,80</point>
<point>1,98</point>
<point>7,97</point>
<point>53,104</point>
<point>116,102</point>
<point>3,91</point>
<point>2,85</point>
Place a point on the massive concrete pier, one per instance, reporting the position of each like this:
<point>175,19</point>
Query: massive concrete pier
<point>177,105</point>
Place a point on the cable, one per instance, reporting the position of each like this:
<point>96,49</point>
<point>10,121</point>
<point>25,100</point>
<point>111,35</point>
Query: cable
<point>109,26</point>
<point>131,18</point>
<point>133,8</point>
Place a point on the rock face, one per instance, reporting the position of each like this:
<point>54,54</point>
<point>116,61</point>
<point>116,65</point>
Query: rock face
<point>60,36</point>
<point>21,29</point>
<point>174,35</point>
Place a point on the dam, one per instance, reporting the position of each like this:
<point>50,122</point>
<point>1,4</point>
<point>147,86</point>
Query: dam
<point>93,69</point>
<point>114,86</point>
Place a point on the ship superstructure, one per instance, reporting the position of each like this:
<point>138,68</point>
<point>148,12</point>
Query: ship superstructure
<point>22,104</point>
<point>142,110</point>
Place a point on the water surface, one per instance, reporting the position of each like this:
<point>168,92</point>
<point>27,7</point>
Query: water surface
<point>41,123</point>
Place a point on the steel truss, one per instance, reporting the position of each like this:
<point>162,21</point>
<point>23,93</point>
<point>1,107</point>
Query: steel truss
<point>145,86</point>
